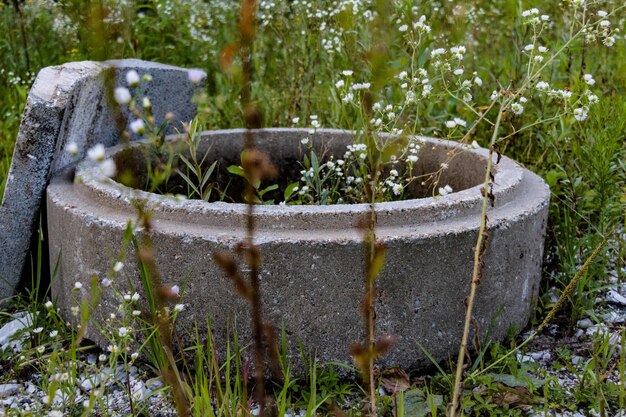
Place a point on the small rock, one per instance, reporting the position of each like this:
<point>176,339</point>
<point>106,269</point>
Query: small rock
<point>7,390</point>
<point>616,298</point>
<point>21,321</point>
<point>613,317</point>
<point>577,359</point>
<point>585,323</point>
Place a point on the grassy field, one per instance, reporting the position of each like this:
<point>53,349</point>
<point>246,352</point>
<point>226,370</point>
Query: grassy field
<point>553,81</point>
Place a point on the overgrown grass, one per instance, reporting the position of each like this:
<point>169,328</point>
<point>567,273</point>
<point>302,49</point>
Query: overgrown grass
<point>296,76</point>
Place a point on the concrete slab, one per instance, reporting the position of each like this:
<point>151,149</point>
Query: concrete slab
<point>69,103</point>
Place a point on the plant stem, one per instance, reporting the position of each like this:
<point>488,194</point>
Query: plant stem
<point>476,274</point>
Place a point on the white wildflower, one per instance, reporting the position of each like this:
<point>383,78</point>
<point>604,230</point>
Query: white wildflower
<point>403,28</point>
<point>347,73</point>
<point>458,71</point>
<point>450,124</point>
<point>118,266</point>
<point>122,332</point>
<point>460,121</point>
<point>72,148</point>
<point>609,41</point>
<point>542,85</point>
<point>78,285</point>
<point>138,126</point>
<point>517,108</point>
<point>108,168</point>
<point>96,153</point>
<point>580,113</point>
<point>195,75</point>
<point>122,95</point>
<point>54,333</point>
<point>132,78</point>
<point>48,304</point>
<point>340,83</point>
<point>179,307</point>
<point>295,120</point>
<point>589,79</point>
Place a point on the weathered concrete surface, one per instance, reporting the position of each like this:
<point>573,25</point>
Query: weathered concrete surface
<point>313,258</point>
<point>67,103</point>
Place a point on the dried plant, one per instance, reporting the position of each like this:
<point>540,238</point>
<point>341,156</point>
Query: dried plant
<point>256,167</point>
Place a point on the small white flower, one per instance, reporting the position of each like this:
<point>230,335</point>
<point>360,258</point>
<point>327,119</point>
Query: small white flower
<point>460,121</point>
<point>347,73</point>
<point>450,124</point>
<point>96,153</point>
<point>74,311</point>
<point>106,282</point>
<point>135,297</point>
<point>340,83</point>
<point>304,141</point>
<point>443,191</point>
<point>377,106</point>
<point>48,304</point>
<point>609,41</point>
<point>72,148</point>
<point>403,28</point>
<point>138,126</point>
<point>54,333</point>
<point>112,349</point>
<point>38,330</point>
<point>542,85</point>
<point>134,356</point>
<point>580,114</point>
<point>146,103</point>
<point>494,95</point>
<point>458,71</point>
<point>437,51</point>
<point>54,413</point>
<point>542,49</point>
<point>529,47</point>
<point>545,17</point>
<point>195,75</point>
<point>41,349</point>
<point>397,189</point>
<point>315,124</point>
<point>102,357</point>
<point>593,99</point>
<point>122,332</point>
<point>602,13</point>
<point>404,85</point>
<point>295,120</point>
<point>523,99</point>
<point>78,285</point>
<point>403,75</point>
<point>175,290</point>
<point>474,145</point>
<point>132,78</point>
<point>122,95</point>
<point>179,307</point>
<point>108,168</point>
<point>412,158</point>
<point>136,313</point>
<point>393,173</point>
<point>118,266</point>
<point>426,90</point>
<point>126,298</point>
<point>478,81</point>
<point>589,79</point>
<point>605,23</point>
<point>517,108</point>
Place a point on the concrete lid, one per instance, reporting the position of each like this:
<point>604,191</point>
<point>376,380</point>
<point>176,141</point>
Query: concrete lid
<point>69,103</point>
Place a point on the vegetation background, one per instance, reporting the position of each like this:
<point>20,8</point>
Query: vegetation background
<point>300,53</point>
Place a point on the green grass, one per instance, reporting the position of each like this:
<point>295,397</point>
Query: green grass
<point>295,76</point>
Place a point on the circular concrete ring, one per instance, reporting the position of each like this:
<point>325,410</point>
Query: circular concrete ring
<point>313,256</point>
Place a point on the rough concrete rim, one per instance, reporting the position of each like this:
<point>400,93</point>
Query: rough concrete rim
<point>465,203</point>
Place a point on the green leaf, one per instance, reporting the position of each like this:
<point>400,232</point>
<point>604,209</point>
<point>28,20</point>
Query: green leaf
<point>237,170</point>
<point>268,189</point>
<point>290,190</point>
